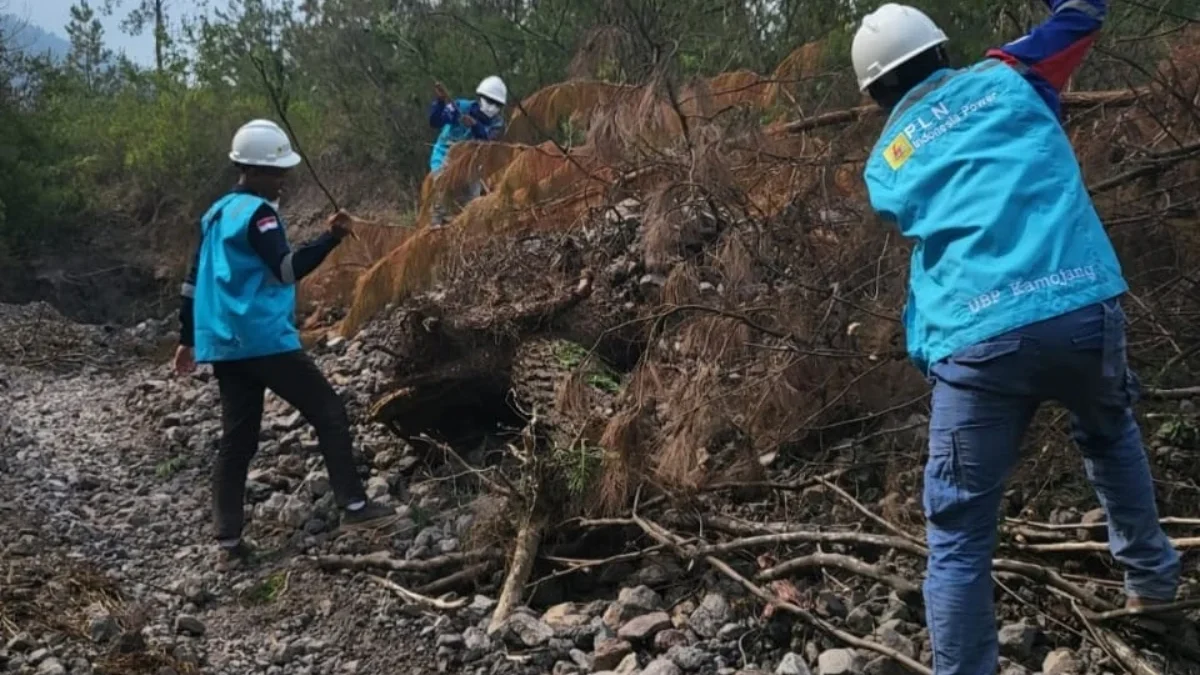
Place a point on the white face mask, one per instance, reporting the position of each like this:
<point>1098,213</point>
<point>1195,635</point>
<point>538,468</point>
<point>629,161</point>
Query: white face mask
<point>488,108</point>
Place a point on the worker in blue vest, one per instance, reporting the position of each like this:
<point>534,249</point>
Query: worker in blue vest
<point>463,119</point>
<point>237,313</point>
<point>1013,300</point>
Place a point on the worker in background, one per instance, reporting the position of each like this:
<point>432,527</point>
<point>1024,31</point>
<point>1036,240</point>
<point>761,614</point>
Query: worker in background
<point>481,119</point>
<point>238,314</point>
<point>1013,300</point>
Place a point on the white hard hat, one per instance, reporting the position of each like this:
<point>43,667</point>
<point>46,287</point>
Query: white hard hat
<point>888,37</point>
<point>493,88</point>
<point>263,143</point>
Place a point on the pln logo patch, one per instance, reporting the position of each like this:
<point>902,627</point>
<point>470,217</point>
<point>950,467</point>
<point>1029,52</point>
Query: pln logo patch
<point>898,151</point>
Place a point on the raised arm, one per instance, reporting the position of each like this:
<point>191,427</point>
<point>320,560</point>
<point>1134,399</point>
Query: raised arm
<point>441,113</point>
<point>288,266</point>
<point>1053,50</point>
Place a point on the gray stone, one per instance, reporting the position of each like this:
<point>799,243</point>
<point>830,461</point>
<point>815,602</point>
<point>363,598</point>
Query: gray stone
<point>888,636</point>
<point>51,666</point>
<point>1062,662</point>
<point>839,662</point>
<point>609,653</point>
<point>644,627</point>
<point>628,665</point>
<point>670,638</point>
<point>565,616</point>
<point>831,605</point>
<point>102,626</point>
<point>792,664</point>
<point>526,630</point>
<point>713,612</point>
<point>189,625</point>
<point>689,659</point>
<point>377,487</point>
<point>885,666</point>
<point>295,512</point>
<point>318,484</point>
<point>482,604</point>
<point>630,603</point>
<point>661,667</point>
<point>476,640</point>
<point>1017,640</point>
<point>860,620</point>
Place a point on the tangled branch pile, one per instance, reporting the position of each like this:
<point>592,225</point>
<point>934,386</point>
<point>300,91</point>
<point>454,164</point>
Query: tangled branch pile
<point>690,303</point>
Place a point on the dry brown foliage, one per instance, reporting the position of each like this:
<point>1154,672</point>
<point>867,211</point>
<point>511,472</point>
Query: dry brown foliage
<point>767,299</point>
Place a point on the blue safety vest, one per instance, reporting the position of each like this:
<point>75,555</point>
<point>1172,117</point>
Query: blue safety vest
<point>976,169</point>
<point>453,133</point>
<point>241,310</point>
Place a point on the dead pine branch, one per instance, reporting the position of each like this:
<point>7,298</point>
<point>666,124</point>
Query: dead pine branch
<point>1172,394</point>
<point>1182,544</point>
<point>1066,527</point>
<point>869,513</point>
<point>1146,610</point>
<point>459,578</point>
<point>908,591</point>
<point>382,560</point>
<point>417,598</point>
<point>804,537</point>
<point>520,566</point>
<point>1116,647</point>
<point>663,536</point>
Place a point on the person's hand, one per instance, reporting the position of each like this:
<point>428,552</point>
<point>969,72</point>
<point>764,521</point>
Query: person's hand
<point>341,224</point>
<point>184,361</point>
<point>467,120</point>
<point>441,92</point>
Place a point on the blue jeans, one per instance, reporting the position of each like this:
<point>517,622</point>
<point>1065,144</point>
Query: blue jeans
<point>984,397</point>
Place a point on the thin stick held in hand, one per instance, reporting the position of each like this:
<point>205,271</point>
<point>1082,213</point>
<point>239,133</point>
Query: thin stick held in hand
<point>262,71</point>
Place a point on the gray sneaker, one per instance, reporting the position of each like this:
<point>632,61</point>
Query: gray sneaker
<point>367,514</point>
<point>236,557</point>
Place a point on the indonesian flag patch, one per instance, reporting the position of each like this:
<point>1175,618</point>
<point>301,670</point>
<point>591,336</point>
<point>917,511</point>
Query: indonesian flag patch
<point>268,223</point>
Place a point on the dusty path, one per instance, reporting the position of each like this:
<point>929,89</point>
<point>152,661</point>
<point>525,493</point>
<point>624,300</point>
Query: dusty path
<point>104,530</point>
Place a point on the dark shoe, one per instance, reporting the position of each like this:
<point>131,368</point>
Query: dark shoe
<point>236,557</point>
<point>1171,624</point>
<point>1133,602</point>
<point>369,513</point>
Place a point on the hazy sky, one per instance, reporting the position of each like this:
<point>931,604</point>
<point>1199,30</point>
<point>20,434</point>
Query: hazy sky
<point>53,15</point>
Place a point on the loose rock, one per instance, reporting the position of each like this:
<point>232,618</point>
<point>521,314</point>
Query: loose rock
<point>189,625</point>
<point>644,627</point>
<point>792,664</point>
<point>839,662</point>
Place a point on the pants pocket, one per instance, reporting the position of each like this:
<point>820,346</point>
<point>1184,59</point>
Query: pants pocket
<point>943,475</point>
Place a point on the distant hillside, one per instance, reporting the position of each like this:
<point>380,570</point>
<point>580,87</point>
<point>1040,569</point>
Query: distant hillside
<point>26,37</point>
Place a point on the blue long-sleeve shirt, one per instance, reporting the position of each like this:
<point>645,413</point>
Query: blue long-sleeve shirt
<point>442,113</point>
<point>268,240</point>
<point>1053,50</point>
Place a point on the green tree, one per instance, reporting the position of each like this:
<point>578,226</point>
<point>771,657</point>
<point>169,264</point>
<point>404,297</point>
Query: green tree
<point>88,58</point>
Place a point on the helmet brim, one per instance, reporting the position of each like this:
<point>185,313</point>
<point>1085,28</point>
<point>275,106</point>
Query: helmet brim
<point>896,63</point>
<point>288,161</point>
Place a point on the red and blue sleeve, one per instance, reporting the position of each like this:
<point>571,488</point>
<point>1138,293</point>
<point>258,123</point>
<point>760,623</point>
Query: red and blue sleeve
<point>1053,50</point>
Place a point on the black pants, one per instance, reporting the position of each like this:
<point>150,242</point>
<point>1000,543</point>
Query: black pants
<point>296,379</point>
